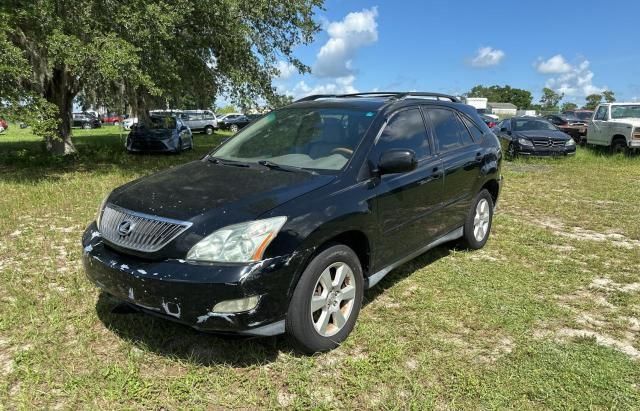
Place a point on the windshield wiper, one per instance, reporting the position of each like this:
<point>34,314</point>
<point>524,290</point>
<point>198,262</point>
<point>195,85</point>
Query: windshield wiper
<point>215,160</point>
<point>290,169</point>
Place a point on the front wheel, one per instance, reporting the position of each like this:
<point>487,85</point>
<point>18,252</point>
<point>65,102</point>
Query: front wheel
<point>208,130</point>
<point>618,146</point>
<point>327,300</point>
<point>86,126</point>
<point>511,151</point>
<point>477,226</point>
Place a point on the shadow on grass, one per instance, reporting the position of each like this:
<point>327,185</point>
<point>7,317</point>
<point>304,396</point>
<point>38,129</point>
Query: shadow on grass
<point>171,339</point>
<point>167,338</point>
<point>27,160</point>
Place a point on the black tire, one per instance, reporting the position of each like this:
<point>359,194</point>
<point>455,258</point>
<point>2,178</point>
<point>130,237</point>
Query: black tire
<point>618,145</point>
<point>299,323</point>
<point>179,147</point>
<point>469,234</point>
<point>234,128</point>
<point>511,151</point>
<point>86,126</point>
<point>208,130</point>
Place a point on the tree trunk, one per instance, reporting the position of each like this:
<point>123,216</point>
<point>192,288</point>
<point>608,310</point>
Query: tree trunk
<point>58,91</point>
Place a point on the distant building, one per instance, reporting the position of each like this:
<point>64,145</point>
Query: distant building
<point>530,113</point>
<point>502,109</point>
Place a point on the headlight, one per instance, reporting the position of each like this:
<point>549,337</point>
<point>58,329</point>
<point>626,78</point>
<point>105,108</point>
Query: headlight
<point>237,243</point>
<point>570,143</point>
<point>99,213</point>
<point>525,142</point>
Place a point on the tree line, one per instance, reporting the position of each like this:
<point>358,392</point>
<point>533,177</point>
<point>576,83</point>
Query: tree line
<point>549,101</point>
<point>142,54</point>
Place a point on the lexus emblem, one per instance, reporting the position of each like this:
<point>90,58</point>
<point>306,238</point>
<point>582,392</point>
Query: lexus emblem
<point>125,228</point>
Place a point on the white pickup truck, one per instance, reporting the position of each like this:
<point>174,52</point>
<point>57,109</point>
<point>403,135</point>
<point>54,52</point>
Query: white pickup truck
<point>616,125</point>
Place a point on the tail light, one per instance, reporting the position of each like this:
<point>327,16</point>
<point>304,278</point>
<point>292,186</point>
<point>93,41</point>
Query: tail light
<point>491,124</point>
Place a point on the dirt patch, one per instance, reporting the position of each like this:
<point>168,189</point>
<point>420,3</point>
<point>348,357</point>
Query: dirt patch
<point>595,317</point>
<point>583,234</point>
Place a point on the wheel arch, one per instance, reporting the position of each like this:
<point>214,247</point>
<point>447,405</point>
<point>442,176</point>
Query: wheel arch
<point>618,137</point>
<point>493,187</point>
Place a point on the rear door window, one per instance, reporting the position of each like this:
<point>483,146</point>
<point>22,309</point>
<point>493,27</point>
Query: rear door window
<point>473,129</point>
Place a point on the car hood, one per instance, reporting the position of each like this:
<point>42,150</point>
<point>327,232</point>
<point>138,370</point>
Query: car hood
<point>554,134</point>
<point>215,194</point>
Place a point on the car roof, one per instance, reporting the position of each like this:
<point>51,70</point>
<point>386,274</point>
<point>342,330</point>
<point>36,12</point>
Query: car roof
<point>379,101</point>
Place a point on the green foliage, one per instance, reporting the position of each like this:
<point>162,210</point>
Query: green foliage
<point>609,96</point>
<point>147,53</point>
<point>568,106</point>
<point>592,101</point>
<point>520,98</point>
<point>229,108</point>
<point>550,99</point>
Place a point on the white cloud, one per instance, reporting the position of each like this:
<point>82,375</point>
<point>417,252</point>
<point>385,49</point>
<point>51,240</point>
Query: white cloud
<point>555,65</point>
<point>487,57</point>
<point>356,30</point>
<point>285,69</point>
<point>573,80</point>
<point>341,85</point>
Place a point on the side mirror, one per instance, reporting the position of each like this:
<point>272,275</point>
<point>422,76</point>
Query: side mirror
<point>397,161</point>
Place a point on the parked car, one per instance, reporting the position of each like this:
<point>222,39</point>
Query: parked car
<point>128,122</point>
<point>616,125</point>
<point>489,121</point>
<point>3,125</point>
<point>112,118</point>
<point>570,124</point>
<point>200,120</point>
<point>160,134</point>
<point>233,122</point>
<point>85,120</point>
<point>532,136</point>
<point>283,227</point>
<point>584,115</point>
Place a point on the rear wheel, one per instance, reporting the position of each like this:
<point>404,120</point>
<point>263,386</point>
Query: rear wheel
<point>327,300</point>
<point>86,126</point>
<point>477,226</point>
<point>208,130</point>
<point>233,128</point>
<point>116,123</point>
<point>511,151</point>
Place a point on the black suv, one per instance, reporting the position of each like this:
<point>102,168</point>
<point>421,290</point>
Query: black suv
<point>283,227</point>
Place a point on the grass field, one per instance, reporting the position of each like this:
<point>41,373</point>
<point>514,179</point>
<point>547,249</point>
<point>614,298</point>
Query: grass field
<point>546,316</point>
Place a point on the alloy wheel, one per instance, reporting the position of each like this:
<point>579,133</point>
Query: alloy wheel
<point>333,299</point>
<point>481,220</point>
<point>234,128</point>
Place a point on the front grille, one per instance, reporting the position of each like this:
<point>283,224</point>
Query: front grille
<point>148,145</point>
<point>548,143</point>
<point>138,231</point>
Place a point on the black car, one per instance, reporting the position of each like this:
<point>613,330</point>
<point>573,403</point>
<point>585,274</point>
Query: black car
<point>233,122</point>
<point>85,120</point>
<point>533,136</point>
<point>161,133</point>
<point>283,227</point>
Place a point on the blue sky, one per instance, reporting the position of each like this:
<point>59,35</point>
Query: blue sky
<point>576,47</point>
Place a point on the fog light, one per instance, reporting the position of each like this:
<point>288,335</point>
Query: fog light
<point>236,306</point>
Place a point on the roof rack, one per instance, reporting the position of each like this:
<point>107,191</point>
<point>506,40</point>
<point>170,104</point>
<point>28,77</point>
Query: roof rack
<point>398,95</point>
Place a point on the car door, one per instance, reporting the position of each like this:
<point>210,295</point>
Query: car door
<point>597,126</point>
<point>405,202</point>
<point>461,159</point>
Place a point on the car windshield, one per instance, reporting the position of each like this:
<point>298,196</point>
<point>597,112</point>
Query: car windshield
<point>584,115</point>
<point>159,123</point>
<point>530,125</point>
<point>313,138</point>
<point>570,117</point>
<point>629,111</point>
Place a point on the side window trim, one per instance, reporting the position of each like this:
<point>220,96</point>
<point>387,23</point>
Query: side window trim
<point>465,122</point>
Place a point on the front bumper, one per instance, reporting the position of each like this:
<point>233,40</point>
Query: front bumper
<point>187,292</point>
<point>151,145</point>
<point>544,151</point>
